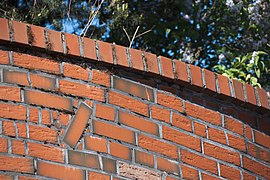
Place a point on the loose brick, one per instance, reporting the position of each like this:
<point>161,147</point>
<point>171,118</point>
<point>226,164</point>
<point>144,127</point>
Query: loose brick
<point>256,167</point>
<point>82,90</point>
<point>19,32</point>
<point>158,146</point>
<point>89,48</point>
<point>229,172</point>
<point>59,171</point>
<point>161,114</point>
<point>196,76</point>
<point>258,152</point>
<point>75,71</point>
<point>48,100</point>
<point>95,175</point>
<point>136,172</point>
<point>72,42</point>
<point>10,93</point>
<point>4,34</point>
<point>121,56</point>
<point>144,158</point>
<point>189,173</point>
<point>138,123</point>
<point>169,101</point>
<point>223,83</point>
<point>15,77</point>
<point>7,111</point>
<point>128,103</point>
<point>199,129</point>
<point>133,88</point>
<point>3,145</point>
<point>181,138</point>
<point>8,128</point>
<point>167,67</point>
<point>151,62</point>
<point>221,153</point>
<point>78,125</point>
<point>101,77</point>
<point>210,80</point>
<point>43,82</point>
<point>181,122</point>
<point>199,161</point>
<point>114,132</point>
<point>203,113</point>
<point>120,151</point>
<point>45,152</point>
<point>105,52</point>
<point>55,41</point>
<point>18,147</point>
<point>36,63</point>
<point>109,165</point>
<point>217,135</point>
<point>4,59</point>
<point>233,125</point>
<point>21,128</point>
<point>262,139</point>
<point>181,72</point>
<point>105,112</point>
<point>251,97</point>
<point>236,142</point>
<point>95,144</point>
<point>16,164</point>
<point>136,59</point>
<point>167,166</point>
<point>44,134</point>
<point>37,37</point>
<point>263,98</point>
<point>83,159</point>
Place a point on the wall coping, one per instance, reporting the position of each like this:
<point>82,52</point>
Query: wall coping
<point>15,33</point>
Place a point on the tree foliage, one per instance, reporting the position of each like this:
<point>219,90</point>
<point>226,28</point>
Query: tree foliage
<point>227,36</point>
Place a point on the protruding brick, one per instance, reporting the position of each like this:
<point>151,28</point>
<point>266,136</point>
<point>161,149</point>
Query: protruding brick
<point>95,144</point>
<point>181,122</point>
<point>144,158</point>
<point>138,123</point>
<point>109,165</point>
<point>133,88</point>
<point>136,59</point>
<point>89,48</point>
<point>263,98</point>
<point>105,52</point>
<point>121,56</point>
<point>16,164</point>
<point>114,132</point>
<point>181,72</point>
<point>196,77</point>
<point>170,101</point>
<point>19,33</point>
<point>55,41</point>
<point>238,90</point>
<point>44,134</point>
<point>189,173</point>
<point>4,59</point>
<point>10,93</point>
<point>210,81</point>
<point>167,166</point>
<point>43,82</point>
<point>15,77</point>
<point>7,111</point>
<point>36,37</point>
<point>4,34</point>
<point>151,62</point>
<point>223,84</point>
<point>120,151</point>
<point>161,114</point>
<point>256,167</point>
<point>73,47</point>
<point>158,146</point>
<point>83,159</point>
<point>78,125</point>
<point>75,71</point>
<point>166,67</point>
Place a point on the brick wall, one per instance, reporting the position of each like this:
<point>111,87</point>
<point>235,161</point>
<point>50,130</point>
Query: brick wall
<point>75,108</point>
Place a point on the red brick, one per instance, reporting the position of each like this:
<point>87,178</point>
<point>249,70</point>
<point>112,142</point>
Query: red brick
<point>4,34</point>
<point>181,72</point>
<point>48,100</point>
<point>18,147</point>
<point>128,103</point>
<point>238,90</point>
<point>98,176</point>
<point>36,63</point>
<point>105,112</point>
<point>77,126</point>
<point>101,77</point>
<point>236,142</point>
<point>43,82</point>
<point>167,166</point>
<point>8,128</point>
<point>133,88</point>
<point>45,117</point>
<point>161,114</point>
<point>64,118</point>
<point>45,152</point>
<point>181,138</point>
<point>105,52</point>
<point>247,176</point>
<point>33,115</point>
<point>10,93</point>
<point>89,48</point>
<point>95,144</point>
<point>44,134</point>
<point>167,67</point>
<point>199,161</point>
<point>209,177</point>
<point>6,177</point>
<point>221,153</point>
<point>250,93</point>
<point>3,145</point>
<point>202,113</point>
<point>15,77</point>
<point>263,98</point>
<point>248,132</point>
<point>7,111</point>
<point>210,80</point>
<point>264,125</point>
<point>262,139</point>
<point>59,171</point>
<point>196,76</point>
<point>120,151</point>
<point>114,132</point>
<point>199,129</point>
<point>19,32</point>
<point>4,59</point>
<point>21,128</point>
<point>217,135</point>
<point>136,59</point>
<point>55,41</point>
<point>83,159</point>
<point>144,158</point>
<point>16,164</point>
<point>229,172</point>
<point>189,173</point>
<point>74,71</point>
<point>181,122</point>
<point>158,146</point>
<point>37,37</point>
<point>234,125</point>
<point>73,47</point>
<point>258,152</point>
<point>223,83</point>
<point>27,178</point>
<point>256,167</point>
<point>151,62</point>
<point>121,56</point>
<point>138,123</point>
<point>170,101</point>
<point>109,165</point>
